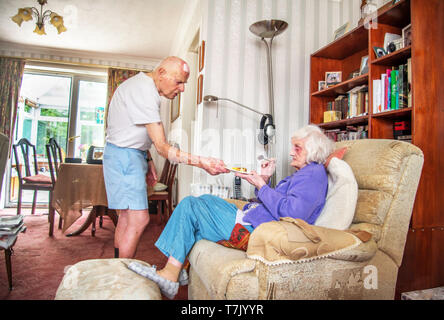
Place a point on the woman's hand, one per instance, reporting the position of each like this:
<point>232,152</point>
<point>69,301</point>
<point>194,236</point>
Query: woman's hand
<point>253,178</point>
<point>268,167</point>
<point>151,179</point>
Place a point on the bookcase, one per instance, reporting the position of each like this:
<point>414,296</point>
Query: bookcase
<point>424,252</point>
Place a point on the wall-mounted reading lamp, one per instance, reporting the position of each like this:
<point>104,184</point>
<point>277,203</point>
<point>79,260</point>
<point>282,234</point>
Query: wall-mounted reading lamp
<point>266,125</point>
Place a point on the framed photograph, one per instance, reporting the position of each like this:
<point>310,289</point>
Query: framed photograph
<point>364,65</point>
<point>175,107</point>
<point>407,35</point>
<point>333,77</point>
<point>322,85</point>
<point>199,89</point>
<point>379,52</point>
<point>341,30</point>
<point>353,74</point>
<point>201,56</point>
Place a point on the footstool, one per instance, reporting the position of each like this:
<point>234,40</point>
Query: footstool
<point>106,279</point>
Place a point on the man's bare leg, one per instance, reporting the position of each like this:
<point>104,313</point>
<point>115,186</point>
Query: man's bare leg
<point>129,230</point>
<point>122,223</point>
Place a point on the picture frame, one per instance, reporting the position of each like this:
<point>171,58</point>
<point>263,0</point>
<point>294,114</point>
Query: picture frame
<point>175,108</point>
<point>341,30</point>
<point>322,85</point>
<point>199,89</point>
<point>353,74</point>
<point>363,69</point>
<point>379,52</point>
<point>407,35</point>
<point>333,77</point>
<point>201,56</point>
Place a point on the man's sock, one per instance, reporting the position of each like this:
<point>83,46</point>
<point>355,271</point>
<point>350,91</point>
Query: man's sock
<point>116,252</point>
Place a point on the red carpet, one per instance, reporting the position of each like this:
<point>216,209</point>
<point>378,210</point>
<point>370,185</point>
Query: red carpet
<point>38,261</point>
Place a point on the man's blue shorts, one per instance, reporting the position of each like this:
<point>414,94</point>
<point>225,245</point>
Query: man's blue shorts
<point>124,170</point>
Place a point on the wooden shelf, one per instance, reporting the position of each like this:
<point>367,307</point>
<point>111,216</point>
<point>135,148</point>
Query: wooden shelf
<point>397,15</point>
<point>395,58</point>
<point>350,43</point>
<point>342,87</point>
<point>363,120</point>
<point>393,114</point>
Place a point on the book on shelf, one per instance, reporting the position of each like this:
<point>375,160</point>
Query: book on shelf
<point>357,101</point>
<point>392,90</point>
<point>388,90</point>
<point>350,133</point>
<point>339,105</point>
<point>402,87</point>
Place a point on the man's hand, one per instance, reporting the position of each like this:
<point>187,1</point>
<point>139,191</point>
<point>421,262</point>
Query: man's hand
<point>152,175</point>
<point>213,166</point>
<point>253,178</point>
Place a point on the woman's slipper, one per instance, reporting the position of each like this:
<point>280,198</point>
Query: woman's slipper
<point>167,287</point>
<point>183,277</point>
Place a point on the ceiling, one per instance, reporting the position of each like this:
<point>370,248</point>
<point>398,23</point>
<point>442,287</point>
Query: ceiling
<point>139,28</point>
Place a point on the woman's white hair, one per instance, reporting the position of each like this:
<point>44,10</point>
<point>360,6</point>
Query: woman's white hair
<point>317,144</point>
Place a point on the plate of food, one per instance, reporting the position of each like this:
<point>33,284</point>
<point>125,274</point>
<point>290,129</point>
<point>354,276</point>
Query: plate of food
<point>238,169</point>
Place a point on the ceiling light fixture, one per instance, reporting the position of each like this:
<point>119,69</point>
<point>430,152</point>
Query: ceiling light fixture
<point>25,14</point>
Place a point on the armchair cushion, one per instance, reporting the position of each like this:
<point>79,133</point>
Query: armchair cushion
<point>294,240</point>
<point>340,203</point>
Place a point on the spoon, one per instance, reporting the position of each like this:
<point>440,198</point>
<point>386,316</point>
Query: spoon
<point>261,157</point>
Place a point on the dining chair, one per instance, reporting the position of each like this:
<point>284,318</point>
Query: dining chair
<point>30,179</point>
<point>165,198</point>
<point>54,155</point>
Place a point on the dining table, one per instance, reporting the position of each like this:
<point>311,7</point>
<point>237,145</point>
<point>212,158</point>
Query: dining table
<point>79,186</point>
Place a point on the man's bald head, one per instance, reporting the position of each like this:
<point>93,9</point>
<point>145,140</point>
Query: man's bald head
<point>170,76</point>
<point>174,64</point>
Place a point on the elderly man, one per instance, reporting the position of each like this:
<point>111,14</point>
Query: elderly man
<point>133,126</point>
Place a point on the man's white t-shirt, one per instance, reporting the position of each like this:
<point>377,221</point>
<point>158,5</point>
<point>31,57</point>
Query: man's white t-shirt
<point>135,102</point>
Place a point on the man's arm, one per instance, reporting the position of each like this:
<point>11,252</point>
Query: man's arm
<point>157,135</point>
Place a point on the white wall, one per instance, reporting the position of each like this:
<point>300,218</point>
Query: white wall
<point>187,38</point>
<point>236,68</point>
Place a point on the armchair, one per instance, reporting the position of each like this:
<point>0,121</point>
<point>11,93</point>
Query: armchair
<point>387,173</point>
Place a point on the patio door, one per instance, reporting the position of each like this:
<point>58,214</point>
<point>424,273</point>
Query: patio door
<point>67,104</point>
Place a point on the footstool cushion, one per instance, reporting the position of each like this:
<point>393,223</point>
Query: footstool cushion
<point>106,279</point>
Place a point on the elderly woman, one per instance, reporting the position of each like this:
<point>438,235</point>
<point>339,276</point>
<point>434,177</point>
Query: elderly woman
<point>300,195</point>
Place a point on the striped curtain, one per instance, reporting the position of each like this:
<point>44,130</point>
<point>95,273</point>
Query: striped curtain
<point>11,73</point>
<point>115,78</point>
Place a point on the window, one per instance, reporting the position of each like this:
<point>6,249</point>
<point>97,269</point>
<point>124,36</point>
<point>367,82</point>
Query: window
<point>60,102</point>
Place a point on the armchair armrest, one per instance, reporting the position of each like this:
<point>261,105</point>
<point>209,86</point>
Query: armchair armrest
<point>217,265</point>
